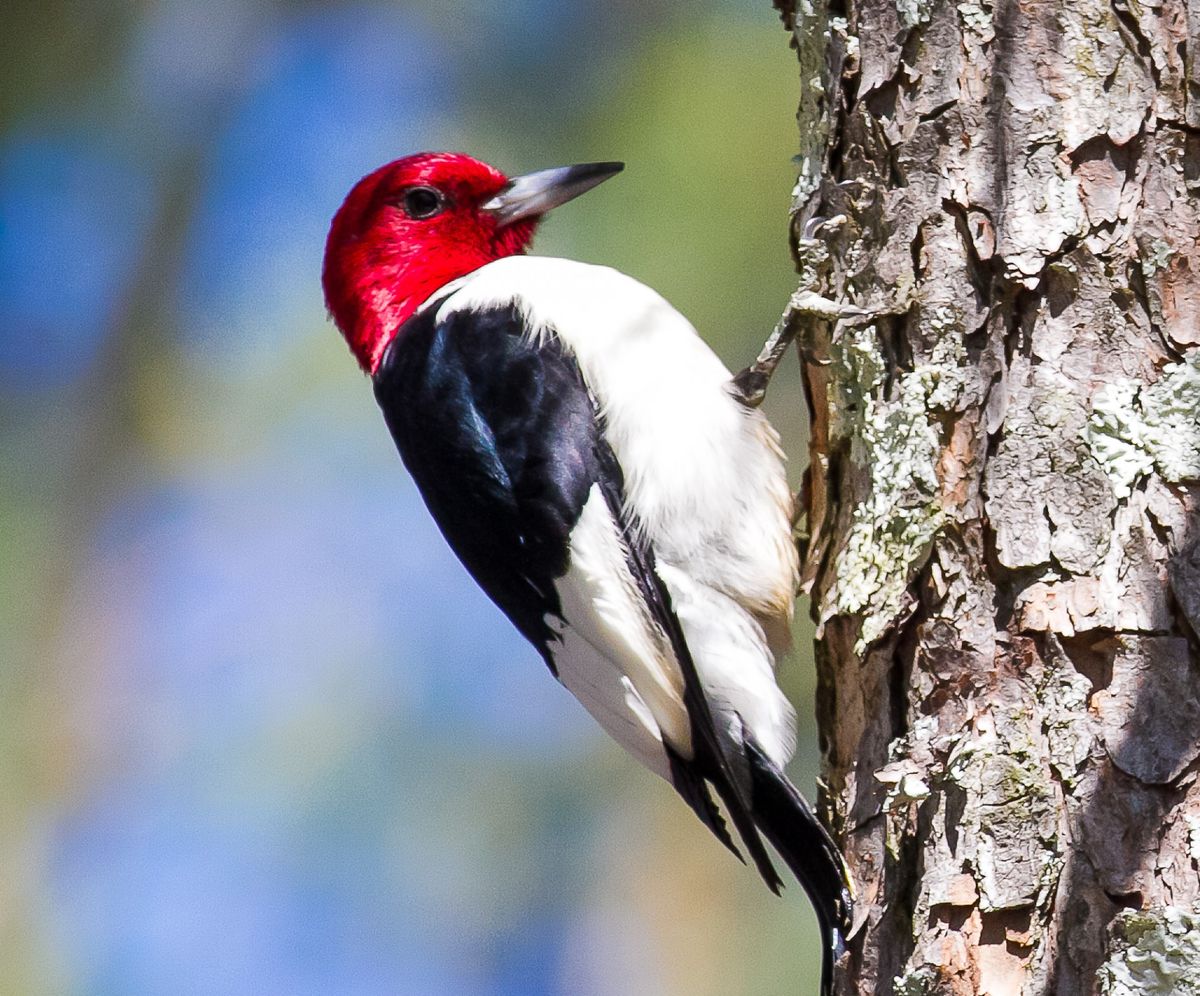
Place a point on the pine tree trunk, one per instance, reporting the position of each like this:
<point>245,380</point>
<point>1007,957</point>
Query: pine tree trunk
<point>1003,542</point>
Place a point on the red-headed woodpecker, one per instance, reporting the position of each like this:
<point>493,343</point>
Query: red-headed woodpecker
<point>590,462</point>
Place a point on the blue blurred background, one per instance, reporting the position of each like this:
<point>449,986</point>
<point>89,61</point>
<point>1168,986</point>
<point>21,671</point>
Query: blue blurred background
<point>259,732</point>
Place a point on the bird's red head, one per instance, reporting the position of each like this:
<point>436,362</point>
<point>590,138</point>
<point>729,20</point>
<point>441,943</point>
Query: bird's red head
<point>417,223</point>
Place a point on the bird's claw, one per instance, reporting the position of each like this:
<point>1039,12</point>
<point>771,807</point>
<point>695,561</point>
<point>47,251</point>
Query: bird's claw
<point>751,384</point>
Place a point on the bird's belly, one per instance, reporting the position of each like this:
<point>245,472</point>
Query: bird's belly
<point>609,652</point>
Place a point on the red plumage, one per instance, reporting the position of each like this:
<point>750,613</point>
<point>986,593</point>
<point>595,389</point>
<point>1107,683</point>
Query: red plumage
<point>381,264</point>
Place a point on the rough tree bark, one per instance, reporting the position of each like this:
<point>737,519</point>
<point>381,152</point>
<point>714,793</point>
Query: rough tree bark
<point>1003,548</point>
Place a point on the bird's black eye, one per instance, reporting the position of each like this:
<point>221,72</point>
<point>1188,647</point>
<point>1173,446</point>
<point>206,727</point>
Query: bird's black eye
<point>423,202</point>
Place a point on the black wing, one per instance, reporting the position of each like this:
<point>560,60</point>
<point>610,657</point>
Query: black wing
<point>499,435</point>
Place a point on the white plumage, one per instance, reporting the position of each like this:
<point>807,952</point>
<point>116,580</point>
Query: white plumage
<point>704,484</point>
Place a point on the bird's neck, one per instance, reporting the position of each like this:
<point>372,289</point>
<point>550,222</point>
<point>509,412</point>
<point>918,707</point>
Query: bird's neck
<point>373,287</point>
<point>371,303</point>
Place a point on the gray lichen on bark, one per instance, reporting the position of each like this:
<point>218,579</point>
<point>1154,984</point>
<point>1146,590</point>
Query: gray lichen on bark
<point>1135,431</point>
<point>892,433</point>
<point>1153,954</point>
<point>1002,542</point>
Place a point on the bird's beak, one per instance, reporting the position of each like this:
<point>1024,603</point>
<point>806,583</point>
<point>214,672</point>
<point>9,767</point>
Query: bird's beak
<point>536,193</point>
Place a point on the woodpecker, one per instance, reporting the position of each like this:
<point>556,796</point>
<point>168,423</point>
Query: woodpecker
<point>591,463</point>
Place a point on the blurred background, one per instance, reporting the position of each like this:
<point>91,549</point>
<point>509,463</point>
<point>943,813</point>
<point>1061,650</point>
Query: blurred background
<point>259,733</point>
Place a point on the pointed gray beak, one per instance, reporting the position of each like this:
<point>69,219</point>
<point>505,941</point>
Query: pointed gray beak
<point>536,193</point>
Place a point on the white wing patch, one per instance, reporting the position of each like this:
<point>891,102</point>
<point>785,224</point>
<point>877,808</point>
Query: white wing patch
<point>734,663</point>
<point>610,654</point>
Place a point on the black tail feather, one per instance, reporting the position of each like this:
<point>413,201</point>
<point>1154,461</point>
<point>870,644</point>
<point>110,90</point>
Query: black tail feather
<point>766,803</point>
<point>743,818</point>
<point>770,806</point>
<point>787,821</point>
<point>690,784</point>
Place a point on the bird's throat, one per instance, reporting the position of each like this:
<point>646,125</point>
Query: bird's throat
<point>372,310</point>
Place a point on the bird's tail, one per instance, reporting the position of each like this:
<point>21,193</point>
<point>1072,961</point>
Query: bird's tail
<point>764,803</point>
<point>784,817</point>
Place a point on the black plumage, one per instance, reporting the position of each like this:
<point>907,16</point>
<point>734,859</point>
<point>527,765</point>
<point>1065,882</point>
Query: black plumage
<point>500,437</point>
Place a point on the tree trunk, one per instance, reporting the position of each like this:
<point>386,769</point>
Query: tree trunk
<point>1003,545</point>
